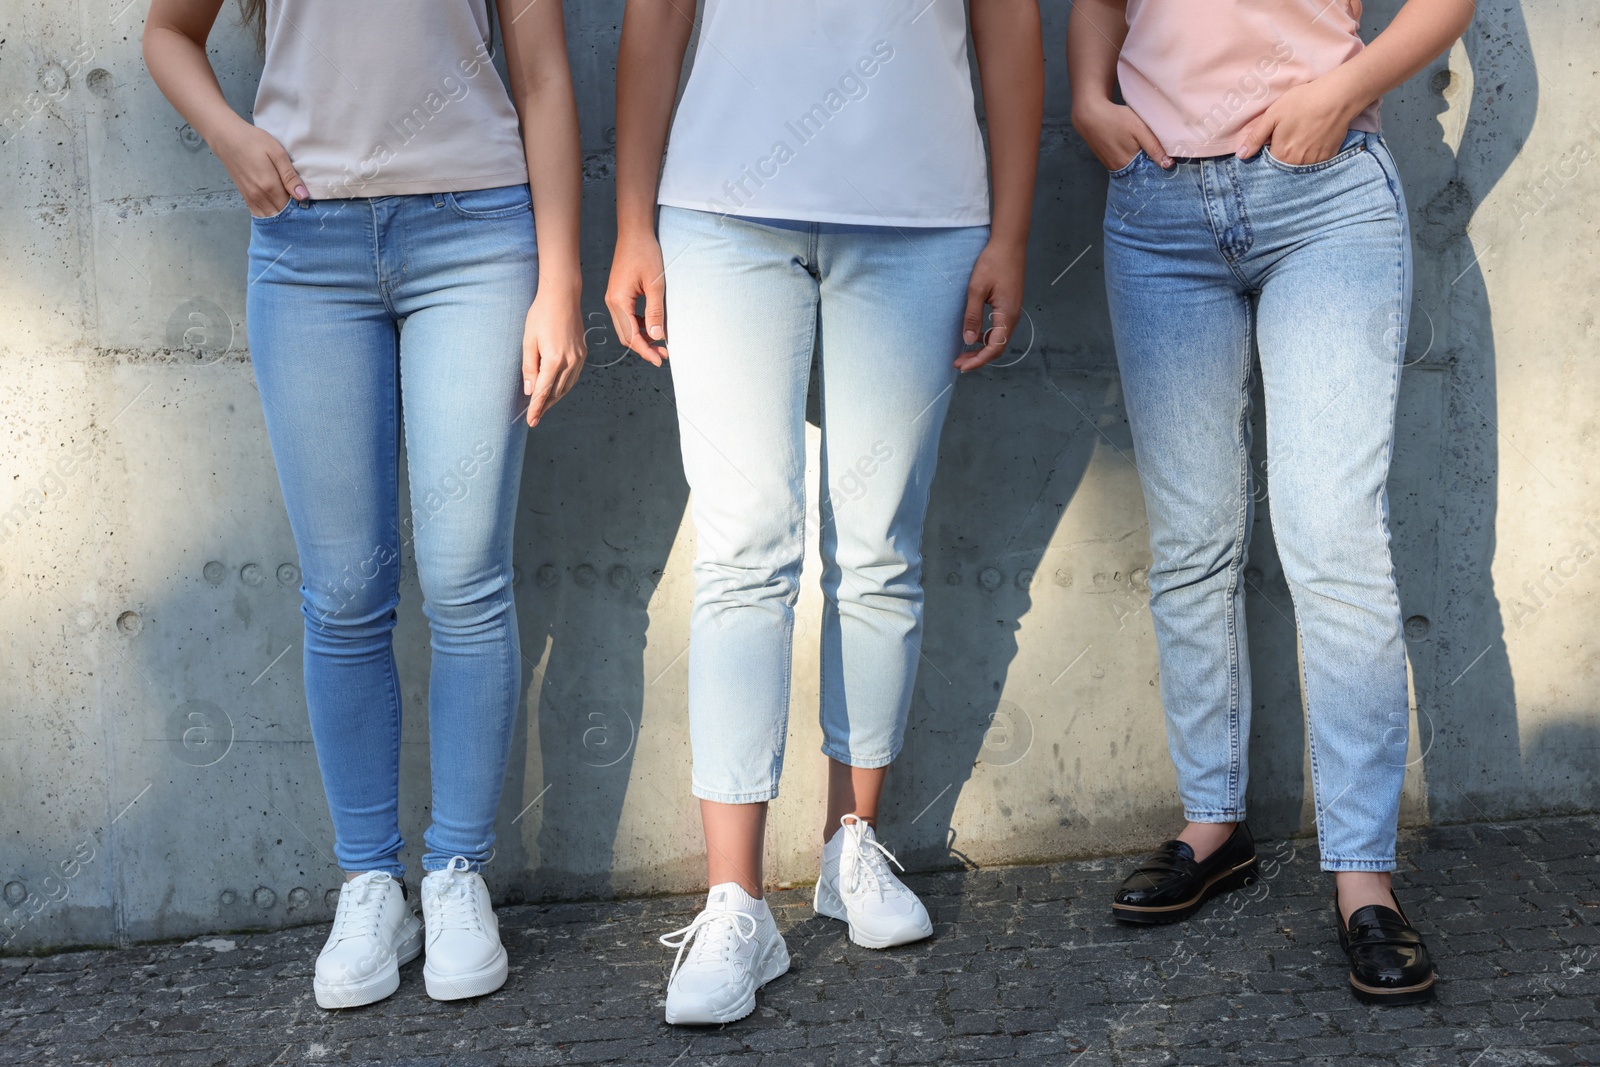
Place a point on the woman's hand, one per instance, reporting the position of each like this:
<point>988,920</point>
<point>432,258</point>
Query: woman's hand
<point>1305,125</point>
<point>996,281</point>
<point>259,167</point>
<point>637,270</point>
<point>1115,134</point>
<point>553,348</point>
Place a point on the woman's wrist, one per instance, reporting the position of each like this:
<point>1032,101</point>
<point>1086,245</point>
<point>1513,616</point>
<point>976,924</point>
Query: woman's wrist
<point>1344,92</point>
<point>564,282</point>
<point>221,129</point>
<point>1091,106</point>
<point>1008,239</point>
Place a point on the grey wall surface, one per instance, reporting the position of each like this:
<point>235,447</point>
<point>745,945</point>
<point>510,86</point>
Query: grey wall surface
<point>157,777</point>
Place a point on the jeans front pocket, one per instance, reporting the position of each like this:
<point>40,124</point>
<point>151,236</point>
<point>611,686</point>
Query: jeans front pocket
<point>280,213</point>
<point>501,202</point>
<point>1128,167</point>
<point>1355,143</point>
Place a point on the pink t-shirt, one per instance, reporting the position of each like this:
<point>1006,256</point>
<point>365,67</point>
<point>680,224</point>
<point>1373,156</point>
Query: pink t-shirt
<point>1198,71</point>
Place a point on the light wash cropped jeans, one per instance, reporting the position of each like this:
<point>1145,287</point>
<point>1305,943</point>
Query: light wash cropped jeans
<point>1312,266</point>
<point>358,309</point>
<point>746,302</point>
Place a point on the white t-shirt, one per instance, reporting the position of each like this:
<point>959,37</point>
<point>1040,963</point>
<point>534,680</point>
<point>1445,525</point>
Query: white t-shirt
<point>853,111</point>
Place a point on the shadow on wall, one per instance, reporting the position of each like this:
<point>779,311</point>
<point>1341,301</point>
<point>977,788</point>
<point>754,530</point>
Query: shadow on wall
<point>1457,133</point>
<point>590,488</point>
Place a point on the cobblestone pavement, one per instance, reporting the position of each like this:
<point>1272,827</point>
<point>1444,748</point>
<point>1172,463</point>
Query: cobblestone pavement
<point>1025,966</point>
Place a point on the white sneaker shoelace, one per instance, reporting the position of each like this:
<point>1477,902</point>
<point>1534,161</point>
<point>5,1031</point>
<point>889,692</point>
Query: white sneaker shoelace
<point>861,862</point>
<point>455,905</point>
<point>360,907</point>
<point>716,935</point>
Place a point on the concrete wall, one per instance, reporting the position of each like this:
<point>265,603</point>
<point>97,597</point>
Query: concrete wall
<point>156,772</point>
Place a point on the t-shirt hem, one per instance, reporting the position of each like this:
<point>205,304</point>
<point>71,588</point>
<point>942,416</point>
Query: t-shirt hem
<point>1366,122</point>
<point>841,217</point>
<point>341,190</point>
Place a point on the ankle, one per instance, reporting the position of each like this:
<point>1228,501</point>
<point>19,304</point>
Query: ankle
<point>1356,889</point>
<point>737,892</point>
<point>1206,837</point>
<point>836,822</point>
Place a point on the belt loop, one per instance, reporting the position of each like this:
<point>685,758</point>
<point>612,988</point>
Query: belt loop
<point>438,200</point>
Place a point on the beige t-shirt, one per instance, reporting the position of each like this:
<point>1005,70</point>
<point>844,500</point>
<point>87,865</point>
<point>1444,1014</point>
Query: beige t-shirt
<point>386,97</point>
<point>1198,71</point>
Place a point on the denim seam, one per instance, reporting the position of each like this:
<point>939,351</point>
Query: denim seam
<point>798,524</point>
<point>1235,569</point>
<point>1208,193</point>
<point>757,797</point>
<point>1392,180</point>
<point>1207,815</point>
<point>391,684</point>
<point>377,262</point>
<point>866,763</point>
<point>1249,237</point>
<point>1336,864</point>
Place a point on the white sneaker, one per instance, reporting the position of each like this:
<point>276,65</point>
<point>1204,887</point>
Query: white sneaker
<point>465,957</point>
<point>374,933</point>
<point>856,885</point>
<point>737,950</point>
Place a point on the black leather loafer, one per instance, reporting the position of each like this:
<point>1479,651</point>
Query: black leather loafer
<point>1170,885</point>
<point>1389,964</point>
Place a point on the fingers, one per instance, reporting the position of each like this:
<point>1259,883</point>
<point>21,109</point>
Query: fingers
<point>1151,145</point>
<point>570,371</point>
<point>530,369</point>
<point>620,302</point>
<point>1257,134</point>
<point>544,390</point>
<point>287,174</point>
<point>972,320</point>
<point>655,312</point>
<point>995,340</point>
<point>1003,316</point>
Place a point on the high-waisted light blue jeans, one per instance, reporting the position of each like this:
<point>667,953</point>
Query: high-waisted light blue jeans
<point>746,301</point>
<point>1312,266</point>
<point>357,310</point>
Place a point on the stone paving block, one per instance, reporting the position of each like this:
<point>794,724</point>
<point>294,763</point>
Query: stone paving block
<point>1026,966</point>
